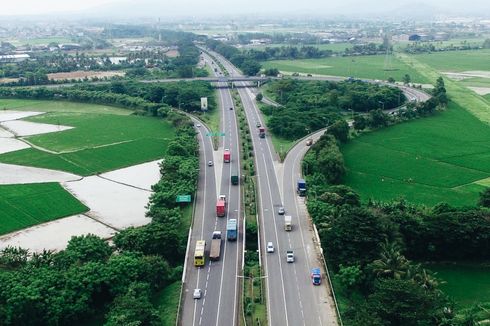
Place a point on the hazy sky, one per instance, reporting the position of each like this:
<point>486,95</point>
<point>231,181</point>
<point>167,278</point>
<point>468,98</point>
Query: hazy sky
<point>197,7</point>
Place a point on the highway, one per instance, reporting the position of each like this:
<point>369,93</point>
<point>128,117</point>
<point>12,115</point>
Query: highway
<point>291,298</point>
<point>218,280</point>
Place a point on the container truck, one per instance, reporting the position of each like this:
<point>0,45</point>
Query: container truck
<point>316,276</point>
<point>215,246</point>
<point>231,229</point>
<point>227,156</point>
<point>288,223</point>
<point>220,208</point>
<point>301,189</point>
<point>234,177</point>
<point>262,132</point>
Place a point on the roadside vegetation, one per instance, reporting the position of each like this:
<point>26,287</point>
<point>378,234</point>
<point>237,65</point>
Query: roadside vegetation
<point>91,278</point>
<point>26,205</point>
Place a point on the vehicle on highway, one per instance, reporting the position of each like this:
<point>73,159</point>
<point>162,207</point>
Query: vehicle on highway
<point>220,208</point>
<point>210,163</point>
<point>222,197</point>
<point>235,178</point>
<point>309,142</point>
<point>281,210</point>
<point>231,229</point>
<point>288,224</point>
<point>301,188</point>
<point>199,259</point>
<point>197,294</point>
<point>316,276</point>
<point>290,256</point>
<point>262,132</point>
<point>270,247</point>
<point>198,125</point>
<point>226,156</point>
<point>258,124</point>
<point>215,251</point>
<point>231,108</point>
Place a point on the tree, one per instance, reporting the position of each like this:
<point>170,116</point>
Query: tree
<point>403,303</point>
<point>87,248</point>
<point>134,308</point>
<point>406,79</point>
<point>377,118</point>
<point>354,237</point>
<point>340,130</point>
<point>391,264</point>
<point>331,164</point>
<point>391,80</point>
<point>250,67</point>
<point>349,276</point>
<point>485,198</point>
<point>259,97</point>
<point>360,122</point>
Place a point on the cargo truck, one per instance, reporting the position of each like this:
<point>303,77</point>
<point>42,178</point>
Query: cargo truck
<point>227,156</point>
<point>262,132</point>
<point>231,229</point>
<point>316,276</point>
<point>288,223</point>
<point>215,246</point>
<point>220,208</point>
<point>301,189</point>
<point>234,177</point>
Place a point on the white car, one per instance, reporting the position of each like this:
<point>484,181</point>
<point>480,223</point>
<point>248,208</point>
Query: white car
<point>198,125</point>
<point>197,294</point>
<point>270,247</point>
<point>281,211</point>
<point>210,163</point>
<point>290,256</point>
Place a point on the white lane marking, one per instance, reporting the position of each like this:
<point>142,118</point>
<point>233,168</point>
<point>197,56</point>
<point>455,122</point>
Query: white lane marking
<point>202,225</point>
<point>277,240</point>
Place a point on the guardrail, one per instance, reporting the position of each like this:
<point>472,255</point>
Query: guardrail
<point>317,238</point>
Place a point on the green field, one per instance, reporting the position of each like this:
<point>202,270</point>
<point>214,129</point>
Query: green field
<point>59,106</point>
<point>457,60</point>
<point>372,67</point>
<point>427,161</point>
<point>38,41</point>
<point>30,204</point>
<point>465,283</point>
<point>99,142</point>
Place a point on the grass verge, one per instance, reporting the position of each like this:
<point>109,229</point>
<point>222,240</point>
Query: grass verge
<point>167,302</point>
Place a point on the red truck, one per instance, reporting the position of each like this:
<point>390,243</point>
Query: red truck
<point>262,132</point>
<point>227,156</point>
<point>220,208</point>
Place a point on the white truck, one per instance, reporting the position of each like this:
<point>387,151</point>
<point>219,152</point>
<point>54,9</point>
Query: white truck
<point>288,225</point>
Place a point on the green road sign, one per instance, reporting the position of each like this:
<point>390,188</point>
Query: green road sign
<point>183,199</point>
<point>215,134</point>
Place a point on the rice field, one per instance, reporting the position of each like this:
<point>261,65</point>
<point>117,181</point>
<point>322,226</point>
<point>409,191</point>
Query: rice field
<point>30,204</point>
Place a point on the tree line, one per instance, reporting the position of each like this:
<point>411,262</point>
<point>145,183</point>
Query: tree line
<point>145,97</point>
<point>91,278</point>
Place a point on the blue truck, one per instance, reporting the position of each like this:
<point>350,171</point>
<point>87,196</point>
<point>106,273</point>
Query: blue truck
<point>301,189</point>
<point>316,276</point>
<point>231,229</point>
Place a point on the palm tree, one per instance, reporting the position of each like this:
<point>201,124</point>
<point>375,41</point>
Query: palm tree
<point>425,278</point>
<point>391,262</point>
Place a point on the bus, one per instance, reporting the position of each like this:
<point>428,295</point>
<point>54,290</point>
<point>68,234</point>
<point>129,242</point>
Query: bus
<point>199,253</point>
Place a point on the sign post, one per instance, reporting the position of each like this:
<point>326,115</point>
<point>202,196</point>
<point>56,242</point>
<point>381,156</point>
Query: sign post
<point>204,103</point>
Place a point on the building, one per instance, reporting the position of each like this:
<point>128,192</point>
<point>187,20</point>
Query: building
<point>13,58</point>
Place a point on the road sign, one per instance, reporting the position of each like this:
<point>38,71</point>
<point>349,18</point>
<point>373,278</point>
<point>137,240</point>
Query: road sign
<point>204,103</point>
<point>215,134</point>
<point>183,199</point>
